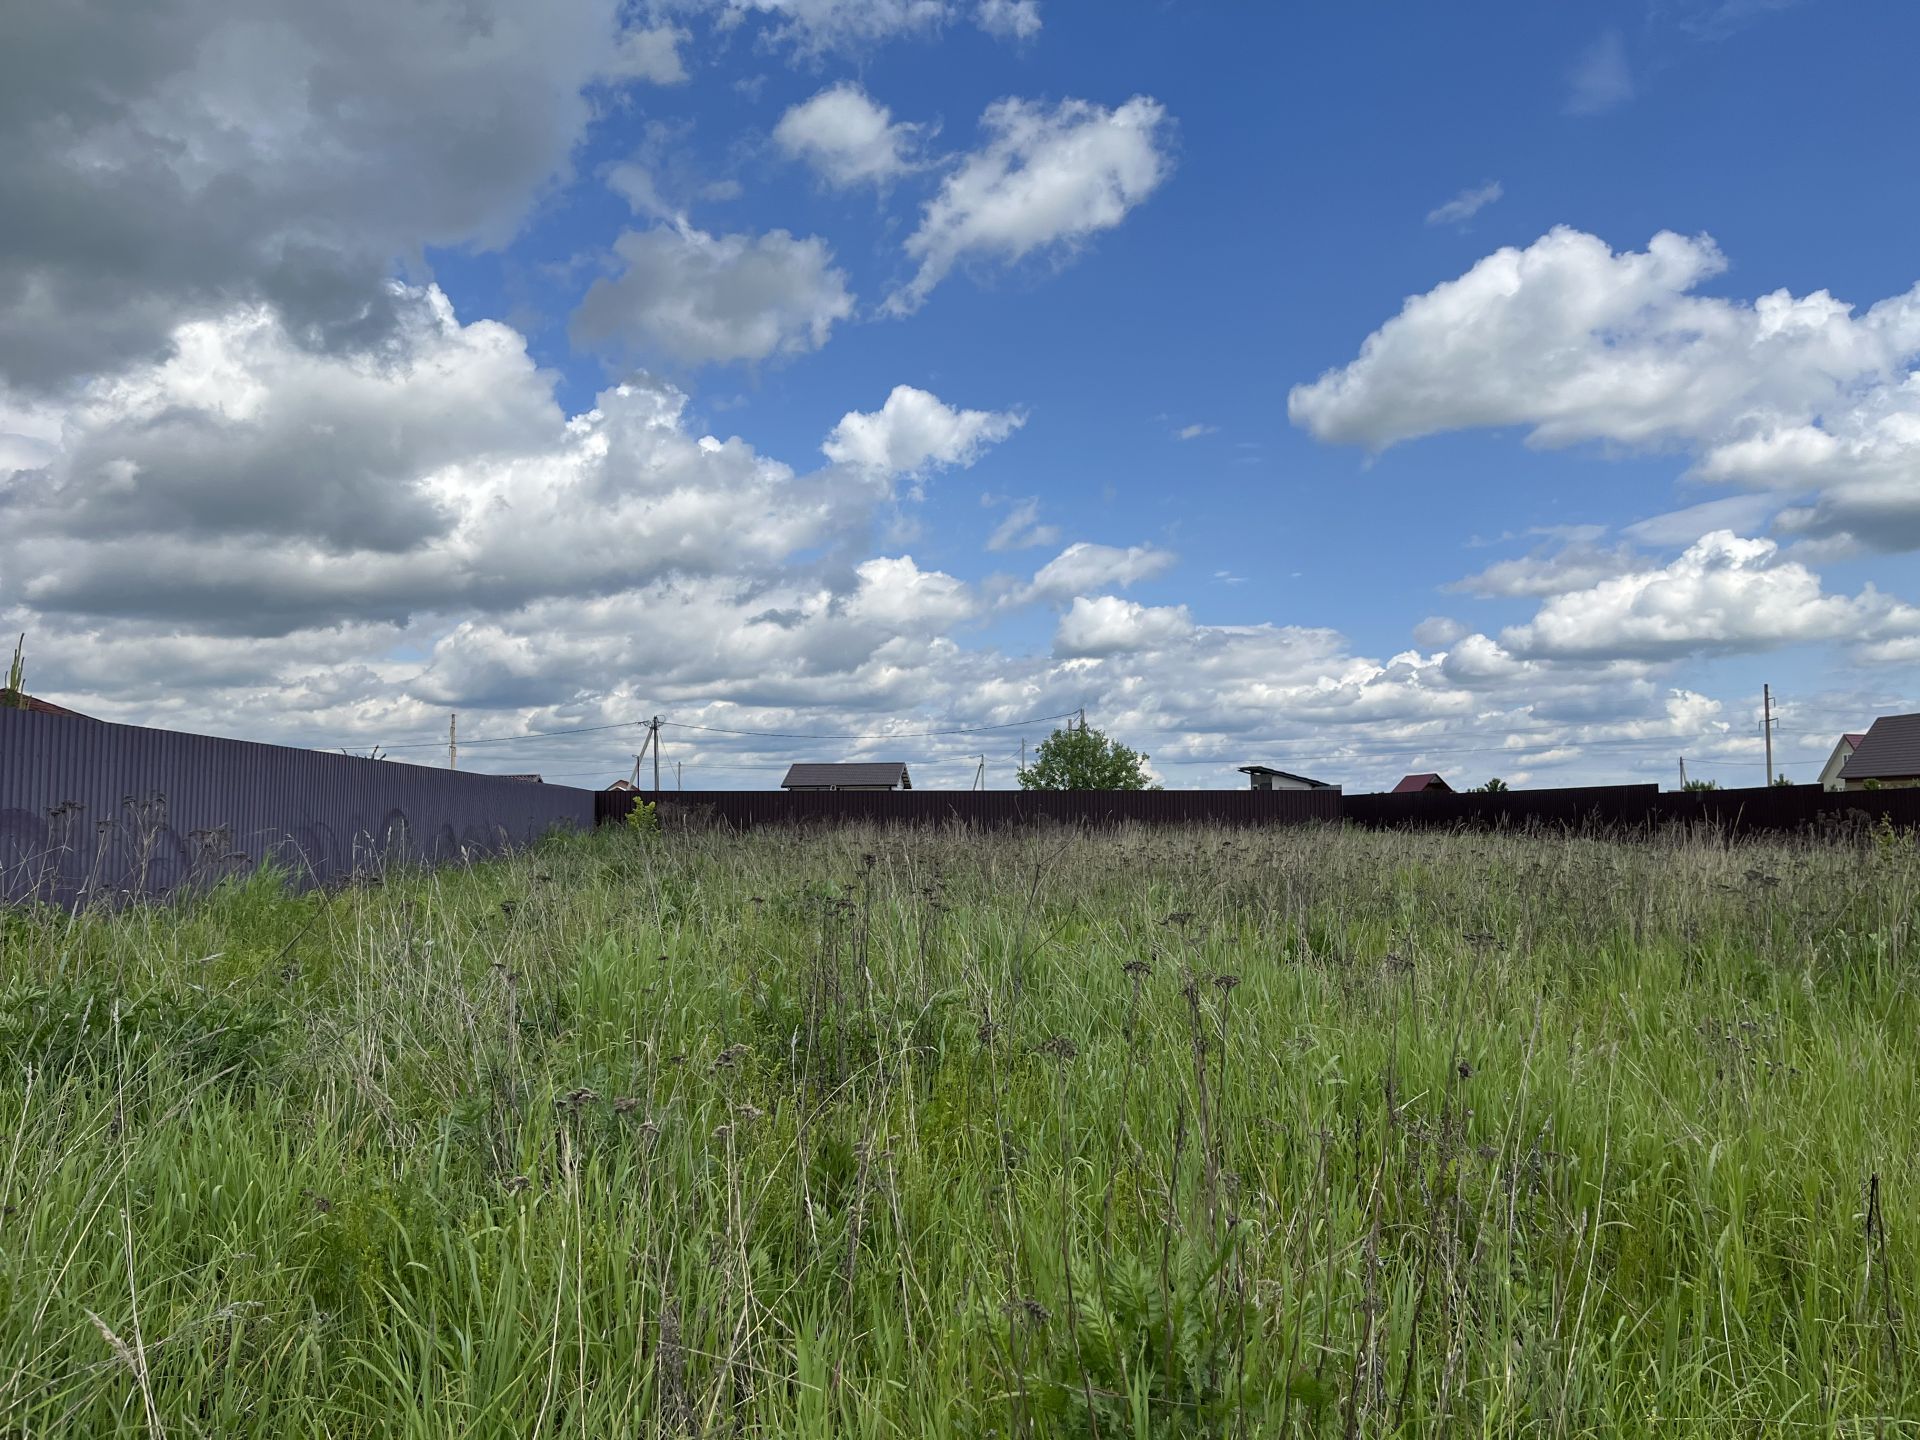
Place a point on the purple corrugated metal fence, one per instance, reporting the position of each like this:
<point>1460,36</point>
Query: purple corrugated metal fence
<point>90,809</point>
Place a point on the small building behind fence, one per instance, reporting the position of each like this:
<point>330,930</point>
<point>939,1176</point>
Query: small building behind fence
<point>1265,777</point>
<point>857,775</point>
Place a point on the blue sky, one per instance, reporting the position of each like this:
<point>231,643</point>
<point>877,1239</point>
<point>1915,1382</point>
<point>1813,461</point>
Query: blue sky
<point>1294,385</point>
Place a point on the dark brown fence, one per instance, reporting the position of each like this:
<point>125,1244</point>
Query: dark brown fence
<point>89,809</point>
<point>986,809</point>
<point>1576,807</point>
<point>1802,808</point>
<point>1761,810</point>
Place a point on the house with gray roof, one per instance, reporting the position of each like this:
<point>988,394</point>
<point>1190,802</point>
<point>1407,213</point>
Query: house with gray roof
<point>856,775</point>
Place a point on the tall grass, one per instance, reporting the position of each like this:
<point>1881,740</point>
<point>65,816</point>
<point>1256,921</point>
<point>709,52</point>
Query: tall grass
<point>863,1133</point>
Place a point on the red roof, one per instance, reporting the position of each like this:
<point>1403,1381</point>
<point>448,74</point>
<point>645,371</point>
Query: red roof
<point>1853,741</point>
<point>10,699</point>
<point>1414,784</point>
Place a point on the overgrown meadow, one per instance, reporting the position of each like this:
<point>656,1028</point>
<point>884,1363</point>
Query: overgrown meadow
<point>868,1133</point>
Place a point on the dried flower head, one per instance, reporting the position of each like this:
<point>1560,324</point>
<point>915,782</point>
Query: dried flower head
<point>1059,1047</point>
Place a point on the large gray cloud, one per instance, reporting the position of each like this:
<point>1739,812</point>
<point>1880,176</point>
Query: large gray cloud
<point>166,159</point>
<point>248,485</point>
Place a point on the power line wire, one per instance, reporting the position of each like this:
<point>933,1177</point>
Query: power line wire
<point>511,739</point>
<point>890,735</point>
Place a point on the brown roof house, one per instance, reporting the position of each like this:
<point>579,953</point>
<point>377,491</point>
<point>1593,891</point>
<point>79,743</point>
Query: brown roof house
<point>859,775</point>
<point>1842,752</point>
<point>1887,757</point>
<point>1422,785</point>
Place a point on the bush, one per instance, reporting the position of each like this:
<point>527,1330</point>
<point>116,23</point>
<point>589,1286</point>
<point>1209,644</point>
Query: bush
<point>644,818</point>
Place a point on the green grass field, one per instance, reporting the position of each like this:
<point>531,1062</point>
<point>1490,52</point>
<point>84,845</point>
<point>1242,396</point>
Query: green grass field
<point>1298,1132</point>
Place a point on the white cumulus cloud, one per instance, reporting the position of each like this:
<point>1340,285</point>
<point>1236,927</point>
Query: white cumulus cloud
<point>914,431</point>
<point>1047,179</point>
<point>1793,394</point>
<point>1725,593</point>
<point>848,137</point>
<point>1109,625</point>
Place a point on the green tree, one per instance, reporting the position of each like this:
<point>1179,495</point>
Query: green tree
<point>1495,786</point>
<point>1082,759</point>
<point>1783,780</point>
<point>1696,786</point>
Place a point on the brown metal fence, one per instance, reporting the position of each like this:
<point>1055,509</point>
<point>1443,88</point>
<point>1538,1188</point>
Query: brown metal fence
<point>1761,810</point>
<point>984,809</point>
<point>1802,808</point>
<point>90,809</point>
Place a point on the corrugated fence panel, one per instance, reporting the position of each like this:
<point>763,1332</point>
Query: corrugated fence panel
<point>987,809</point>
<point>1802,808</point>
<point>88,809</point>
<point>1574,807</point>
<point>1763,809</point>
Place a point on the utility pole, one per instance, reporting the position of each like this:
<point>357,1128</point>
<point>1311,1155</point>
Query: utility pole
<point>1683,772</point>
<point>1023,752</point>
<point>453,742</point>
<point>1766,712</point>
<point>679,781</point>
<point>1083,719</point>
<point>980,773</point>
<point>654,729</point>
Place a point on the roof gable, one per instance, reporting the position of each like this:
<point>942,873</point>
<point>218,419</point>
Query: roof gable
<point>1414,784</point>
<point>1888,751</point>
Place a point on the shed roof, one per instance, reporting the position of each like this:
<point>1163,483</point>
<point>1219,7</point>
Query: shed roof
<point>9,699</point>
<point>1888,751</point>
<point>863,773</point>
<point>1414,784</point>
<point>1287,775</point>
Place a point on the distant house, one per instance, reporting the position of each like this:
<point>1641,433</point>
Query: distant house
<point>1887,757</point>
<point>530,779</point>
<point>623,785</point>
<point>859,775</point>
<point>1842,752</point>
<point>1263,777</point>
<point>17,700</point>
<point>1422,785</point>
